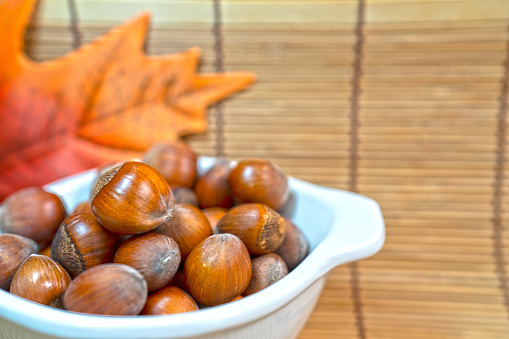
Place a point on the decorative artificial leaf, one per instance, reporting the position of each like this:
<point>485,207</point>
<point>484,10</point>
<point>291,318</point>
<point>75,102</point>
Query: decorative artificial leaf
<point>106,101</point>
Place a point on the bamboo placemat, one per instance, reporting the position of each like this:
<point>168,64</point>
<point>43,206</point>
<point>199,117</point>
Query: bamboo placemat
<point>404,101</point>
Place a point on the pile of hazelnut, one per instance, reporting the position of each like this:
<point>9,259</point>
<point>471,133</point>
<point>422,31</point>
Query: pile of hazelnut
<point>154,238</point>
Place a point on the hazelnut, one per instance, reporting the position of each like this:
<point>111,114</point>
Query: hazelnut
<point>33,213</point>
<point>14,249</point>
<point>100,171</point>
<point>81,243</point>
<point>184,195</point>
<point>107,167</point>
<point>155,256</point>
<point>260,227</point>
<point>132,199</point>
<point>188,228</point>
<point>169,300</point>
<point>294,247</point>
<point>178,281</point>
<point>212,188</point>
<point>175,161</point>
<point>217,270</point>
<point>109,289</point>
<point>259,181</point>
<point>213,214</point>
<point>288,209</point>
<point>267,269</point>
<point>42,280</point>
<point>46,251</point>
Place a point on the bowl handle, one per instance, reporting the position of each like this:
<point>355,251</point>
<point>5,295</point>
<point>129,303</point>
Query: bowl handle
<point>358,229</point>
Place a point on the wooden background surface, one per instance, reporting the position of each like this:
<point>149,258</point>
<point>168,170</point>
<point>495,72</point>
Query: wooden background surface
<point>404,101</point>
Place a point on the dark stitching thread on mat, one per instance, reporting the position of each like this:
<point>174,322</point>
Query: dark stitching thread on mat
<point>218,48</point>
<point>354,159</point>
<point>498,184</point>
<point>356,296</point>
<point>76,34</point>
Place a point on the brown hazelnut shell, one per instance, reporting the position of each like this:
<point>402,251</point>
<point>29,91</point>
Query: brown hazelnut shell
<point>178,281</point>
<point>81,243</point>
<point>212,188</point>
<point>176,162</point>
<point>260,227</point>
<point>33,213</point>
<point>217,270</point>
<point>155,256</point>
<point>109,289</point>
<point>185,195</point>
<point>188,228</point>
<point>288,209</point>
<point>42,280</point>
<point>259,180</point>
<point>169,300</point>
<point>213,214</point>
<point>132,199</point>
<point>100,171</point>
<point>14,249</point>
<point>267,270</point>
<point>295,247</point>
<point>46,251</point>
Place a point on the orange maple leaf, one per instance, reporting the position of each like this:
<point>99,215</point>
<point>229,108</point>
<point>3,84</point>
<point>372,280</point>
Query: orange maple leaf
<point>104,102</point>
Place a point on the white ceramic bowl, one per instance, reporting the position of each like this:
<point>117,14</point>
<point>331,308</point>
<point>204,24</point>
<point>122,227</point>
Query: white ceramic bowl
<point>340,226</point>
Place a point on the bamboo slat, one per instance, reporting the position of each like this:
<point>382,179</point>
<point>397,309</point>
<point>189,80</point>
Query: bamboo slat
<point>429,136</point>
